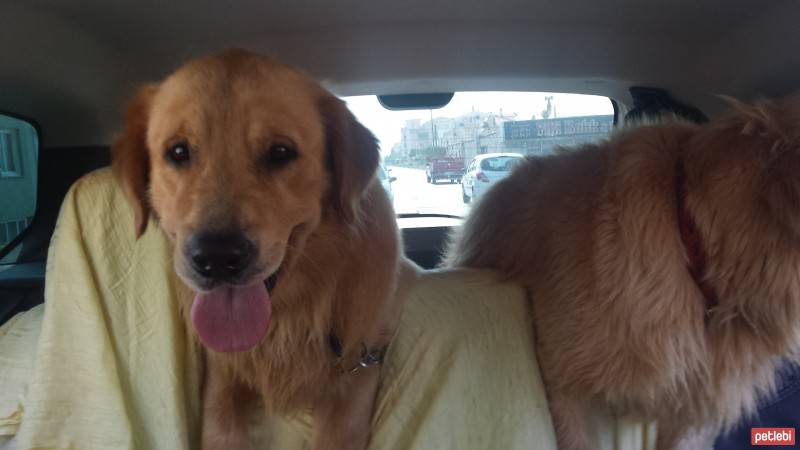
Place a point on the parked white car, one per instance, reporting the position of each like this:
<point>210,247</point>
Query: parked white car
<point>484,171</point>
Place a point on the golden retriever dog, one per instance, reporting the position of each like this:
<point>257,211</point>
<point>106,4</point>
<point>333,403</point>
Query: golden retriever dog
<point>266,185</point>
<point>663,267</point>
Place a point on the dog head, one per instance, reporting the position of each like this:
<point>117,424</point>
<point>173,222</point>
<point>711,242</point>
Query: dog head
<point>240,158</point>
<point>750,161</point>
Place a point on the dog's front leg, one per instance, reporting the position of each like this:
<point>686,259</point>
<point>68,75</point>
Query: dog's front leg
<point>342,419</point>
<point>226,409</point>
<point>570,420</point>
<point>675,436</point>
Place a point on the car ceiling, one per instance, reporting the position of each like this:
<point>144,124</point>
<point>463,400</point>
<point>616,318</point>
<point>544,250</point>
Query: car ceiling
<point>71,63</point>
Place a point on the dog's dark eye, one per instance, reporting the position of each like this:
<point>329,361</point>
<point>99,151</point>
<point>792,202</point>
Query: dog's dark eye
<point>178,154</point>
<point>279,155</point>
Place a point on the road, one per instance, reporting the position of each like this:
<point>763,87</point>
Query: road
<point>413,194</point>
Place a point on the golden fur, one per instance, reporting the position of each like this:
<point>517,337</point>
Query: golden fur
<point>324,219</point>
<point>593,235</point>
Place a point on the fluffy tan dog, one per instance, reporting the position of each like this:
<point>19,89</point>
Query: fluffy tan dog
<point>266,185</point>
<point>663,267</point>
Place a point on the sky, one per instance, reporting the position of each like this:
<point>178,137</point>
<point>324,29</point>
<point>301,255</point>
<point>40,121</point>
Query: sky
<point>386,124</point>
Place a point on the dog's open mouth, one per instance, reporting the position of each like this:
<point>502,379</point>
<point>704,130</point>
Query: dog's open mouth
<point>272,281</point>
<point>233,318</point>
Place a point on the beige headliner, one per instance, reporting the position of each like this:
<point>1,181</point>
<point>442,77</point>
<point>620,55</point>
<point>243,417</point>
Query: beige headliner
<point>70,63</point>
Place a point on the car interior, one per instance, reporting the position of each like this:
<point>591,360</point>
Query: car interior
<point>68,67</point>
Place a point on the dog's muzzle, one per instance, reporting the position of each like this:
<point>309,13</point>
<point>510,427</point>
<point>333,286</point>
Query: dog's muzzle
<point>220,257</point>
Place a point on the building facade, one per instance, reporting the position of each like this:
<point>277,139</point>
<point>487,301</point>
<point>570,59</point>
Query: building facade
<point>541,137</point>
<point>464,136</point>
<point>477,133</point>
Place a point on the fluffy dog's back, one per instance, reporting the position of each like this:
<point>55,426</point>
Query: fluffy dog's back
<point>594,236</point>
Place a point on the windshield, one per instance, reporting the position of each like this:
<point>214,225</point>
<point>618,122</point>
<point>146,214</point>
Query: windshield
<point>432,153</point>
<point>499,163</point>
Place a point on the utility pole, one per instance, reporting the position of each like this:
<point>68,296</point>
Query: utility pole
<point>548,112</point>
<point>433,131</point>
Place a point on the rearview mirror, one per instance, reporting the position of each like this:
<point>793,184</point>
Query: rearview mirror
<point>403,102</point>
<point>392,179</point>
<point>19,159</point>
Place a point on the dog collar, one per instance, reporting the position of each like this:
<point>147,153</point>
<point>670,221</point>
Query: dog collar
<point>369,357</point>
<point>693,243</point>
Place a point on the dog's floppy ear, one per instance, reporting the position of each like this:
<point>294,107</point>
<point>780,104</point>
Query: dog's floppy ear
<point>130,160</point>
<point>353,155</point>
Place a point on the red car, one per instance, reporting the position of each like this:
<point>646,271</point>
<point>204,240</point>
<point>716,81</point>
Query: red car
<point>449,168</point>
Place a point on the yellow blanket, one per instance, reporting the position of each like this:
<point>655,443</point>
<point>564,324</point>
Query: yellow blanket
<point>113,367</point>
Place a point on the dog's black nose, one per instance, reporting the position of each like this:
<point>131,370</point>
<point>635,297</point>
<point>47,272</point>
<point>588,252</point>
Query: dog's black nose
<point>220,256</point>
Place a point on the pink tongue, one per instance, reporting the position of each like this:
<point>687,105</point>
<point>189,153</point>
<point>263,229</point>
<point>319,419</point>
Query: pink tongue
<point>232,318</point>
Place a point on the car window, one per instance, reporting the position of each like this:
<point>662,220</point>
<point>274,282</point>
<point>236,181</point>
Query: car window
<point>500,163</point>
<point>19,155</point>
<point>429,151</point>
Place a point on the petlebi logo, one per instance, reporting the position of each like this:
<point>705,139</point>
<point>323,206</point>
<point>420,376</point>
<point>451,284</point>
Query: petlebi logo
<point>772,436</point>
